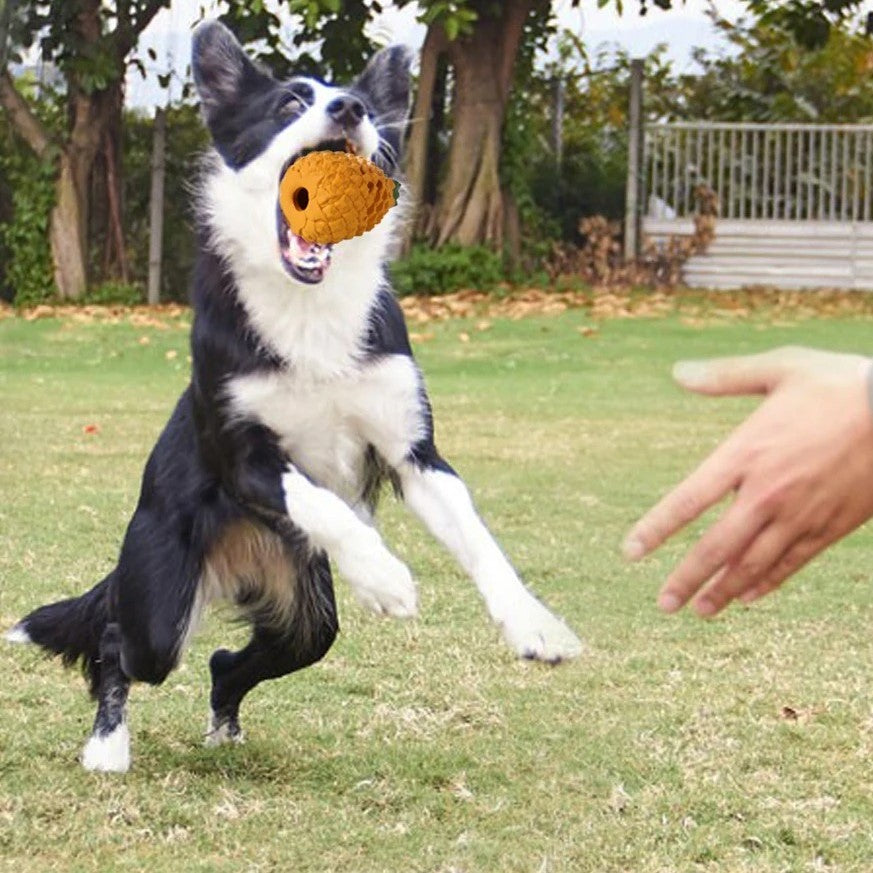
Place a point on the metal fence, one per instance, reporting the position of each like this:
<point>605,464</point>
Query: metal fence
<point>787,172</point>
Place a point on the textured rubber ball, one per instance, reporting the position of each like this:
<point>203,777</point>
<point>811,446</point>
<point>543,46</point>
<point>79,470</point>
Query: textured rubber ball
<point>331,196</point>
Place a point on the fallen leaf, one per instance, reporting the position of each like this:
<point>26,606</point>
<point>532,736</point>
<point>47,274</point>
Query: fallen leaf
<point>91,428</point>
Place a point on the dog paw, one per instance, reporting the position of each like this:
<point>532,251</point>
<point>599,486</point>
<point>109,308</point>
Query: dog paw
<point>108,753</point>
<point>534,633</point>
<point>381,582</point>
<point>222,731</point>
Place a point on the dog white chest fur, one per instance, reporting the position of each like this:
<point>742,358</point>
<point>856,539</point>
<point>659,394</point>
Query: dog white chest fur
<point>326,425</point>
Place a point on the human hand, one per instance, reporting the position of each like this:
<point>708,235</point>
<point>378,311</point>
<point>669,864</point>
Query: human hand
<point>800,467</point>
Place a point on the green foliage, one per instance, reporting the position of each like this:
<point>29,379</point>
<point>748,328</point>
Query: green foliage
<point>453,267</point>
<point>456,17</point>
<point>115,293</point>
<point>810,23</point>
<point>767,76</point>
<point>27,196</point>
<point>28,273</point>
<point>329,38</point>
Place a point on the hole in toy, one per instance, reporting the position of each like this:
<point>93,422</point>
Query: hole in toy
<point>300,199</point>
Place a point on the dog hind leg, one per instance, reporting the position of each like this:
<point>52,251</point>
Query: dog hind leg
<point>108,748</point>
<point>273,651</point>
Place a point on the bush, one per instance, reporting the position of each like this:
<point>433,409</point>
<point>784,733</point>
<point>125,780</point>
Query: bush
<point>453,267</point>
<point>115,293</point>
<point>27,189</point>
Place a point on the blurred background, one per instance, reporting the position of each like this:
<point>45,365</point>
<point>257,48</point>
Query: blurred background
<point>518,152</point>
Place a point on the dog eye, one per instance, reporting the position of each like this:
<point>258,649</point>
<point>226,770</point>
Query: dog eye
<point>291,105</point>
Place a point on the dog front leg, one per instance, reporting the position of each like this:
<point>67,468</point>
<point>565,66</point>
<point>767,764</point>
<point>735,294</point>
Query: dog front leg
<point>442,502</point>
<point>380,581</point>
<point>260,477</point>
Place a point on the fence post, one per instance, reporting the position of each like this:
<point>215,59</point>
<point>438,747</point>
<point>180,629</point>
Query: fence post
<point>156,217</point>
<point>634,195</point>
<point>558,122</point>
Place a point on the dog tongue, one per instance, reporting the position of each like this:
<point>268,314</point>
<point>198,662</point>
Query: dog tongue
<point>304,247</point>
<point>308,255</point>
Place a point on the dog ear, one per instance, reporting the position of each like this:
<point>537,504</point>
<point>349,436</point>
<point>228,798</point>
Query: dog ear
<point>384,84</point>
<point>223,73</point>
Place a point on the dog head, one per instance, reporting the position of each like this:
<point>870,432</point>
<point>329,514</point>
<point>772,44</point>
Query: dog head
<point>259,126</point>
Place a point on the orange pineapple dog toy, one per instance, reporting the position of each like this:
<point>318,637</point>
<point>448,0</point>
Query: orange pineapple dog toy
<point>330,196</point>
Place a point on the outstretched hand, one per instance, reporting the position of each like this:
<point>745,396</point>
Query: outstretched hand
<point>800,468</point>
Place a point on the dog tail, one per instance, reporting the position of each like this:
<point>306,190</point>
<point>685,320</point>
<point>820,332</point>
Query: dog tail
<point>70,628</point>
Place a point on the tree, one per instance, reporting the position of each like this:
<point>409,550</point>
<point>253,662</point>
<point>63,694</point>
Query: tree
<point>474,54</point>
<point>473,45</point>
<point>89,41</point>
<point>767,77</point>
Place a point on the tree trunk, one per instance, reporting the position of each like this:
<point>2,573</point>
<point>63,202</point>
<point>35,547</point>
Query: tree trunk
<point>66,234</point>
<point>106,220</point>
<point>419,154</point>
<point>470,209</point>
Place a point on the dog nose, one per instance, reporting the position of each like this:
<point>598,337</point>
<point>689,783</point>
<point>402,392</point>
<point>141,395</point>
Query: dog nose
<point>346,111</point>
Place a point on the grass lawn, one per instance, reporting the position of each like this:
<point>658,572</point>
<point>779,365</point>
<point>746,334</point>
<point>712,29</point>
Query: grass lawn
<point>742,744</point>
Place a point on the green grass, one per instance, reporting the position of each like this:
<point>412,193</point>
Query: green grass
<point>425,746</point>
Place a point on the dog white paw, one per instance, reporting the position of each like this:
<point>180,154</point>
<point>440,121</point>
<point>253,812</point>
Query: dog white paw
<point>108,753</point>
<point>381,582</point>
<point>222,732</point>
<point>534,633</point>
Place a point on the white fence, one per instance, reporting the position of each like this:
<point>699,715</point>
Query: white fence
<point>795,202</point>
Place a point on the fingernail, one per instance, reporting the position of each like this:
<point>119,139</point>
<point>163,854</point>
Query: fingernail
<point>669,603</point>
<point>690,373</point>
<point>633,548</point>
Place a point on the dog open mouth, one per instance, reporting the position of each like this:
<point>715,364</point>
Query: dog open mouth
<point>305,261</point>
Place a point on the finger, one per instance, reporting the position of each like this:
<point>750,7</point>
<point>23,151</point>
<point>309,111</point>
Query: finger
<point>728,537</point>
<point>800,554</point>
<point>748,374</point>
<point>709,483</point>
<point>750,568</point>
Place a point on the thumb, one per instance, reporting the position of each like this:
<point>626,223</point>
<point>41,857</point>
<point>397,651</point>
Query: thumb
<point>750,374</point>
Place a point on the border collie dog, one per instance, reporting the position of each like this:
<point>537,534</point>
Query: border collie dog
<point>304,398</point>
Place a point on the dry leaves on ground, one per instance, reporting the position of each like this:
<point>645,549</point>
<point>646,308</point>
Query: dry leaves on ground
<point>694,307</point>
<point>160,317</point>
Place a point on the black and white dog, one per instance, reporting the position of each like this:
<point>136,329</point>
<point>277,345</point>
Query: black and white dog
<point>304,398</point>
